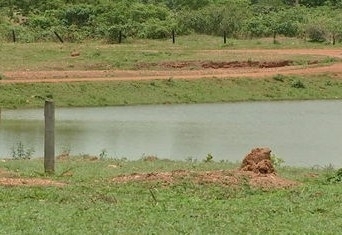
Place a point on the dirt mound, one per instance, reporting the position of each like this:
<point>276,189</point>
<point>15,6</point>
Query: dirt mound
<point>258,161</point>
<point>256,170</point>
<point>222,177</point>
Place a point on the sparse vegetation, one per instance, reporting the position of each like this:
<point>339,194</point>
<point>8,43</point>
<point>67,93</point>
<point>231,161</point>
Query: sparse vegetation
<point>21,152</point>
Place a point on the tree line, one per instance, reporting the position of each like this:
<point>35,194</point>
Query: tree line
<point>77,20</point>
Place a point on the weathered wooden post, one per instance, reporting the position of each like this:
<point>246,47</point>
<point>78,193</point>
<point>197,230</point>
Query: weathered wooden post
<point>120,37</point>
<point>173,36</point>
<point>13,36</point>
<point>59,37</point>
<point>49,137</point>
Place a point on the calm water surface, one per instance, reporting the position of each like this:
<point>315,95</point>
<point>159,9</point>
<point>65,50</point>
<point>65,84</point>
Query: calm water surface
<point>305,133</point>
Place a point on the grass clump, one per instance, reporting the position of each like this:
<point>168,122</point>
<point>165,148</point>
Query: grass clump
<point>297,84</point>
<point>336,177</point>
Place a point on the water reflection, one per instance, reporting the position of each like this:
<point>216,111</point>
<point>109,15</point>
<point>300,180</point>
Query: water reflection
<point>304,133</point>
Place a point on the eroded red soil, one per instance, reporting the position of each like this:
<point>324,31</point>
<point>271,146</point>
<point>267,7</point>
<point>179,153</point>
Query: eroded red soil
<point>12,179</point>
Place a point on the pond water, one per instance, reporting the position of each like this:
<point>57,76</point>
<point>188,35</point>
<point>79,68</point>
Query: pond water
<point>303,133</point>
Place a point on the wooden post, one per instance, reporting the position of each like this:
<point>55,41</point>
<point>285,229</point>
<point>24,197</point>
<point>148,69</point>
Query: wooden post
<point>120,36</point>
<point>49,140</point>
<point>224,37</point>
<point>173,37</point>
<point>59,38</point>
<point>13,36</point>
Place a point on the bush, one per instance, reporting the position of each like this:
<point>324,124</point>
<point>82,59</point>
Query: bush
<point>316,33</point>
<point>155,29</point>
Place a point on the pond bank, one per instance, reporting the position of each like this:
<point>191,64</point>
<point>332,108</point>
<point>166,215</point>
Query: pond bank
<point>171,91</point>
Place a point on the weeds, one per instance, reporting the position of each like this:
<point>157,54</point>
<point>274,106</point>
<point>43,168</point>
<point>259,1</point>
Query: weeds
<point>103,154</point>
<point>209,158</point>
<point>277,161</point>
<point>336,177</point>
<point>20,152</point>
<point>297,84</point>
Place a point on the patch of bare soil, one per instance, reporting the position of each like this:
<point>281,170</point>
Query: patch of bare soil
<point>256,170</point>
<point>214,64</point>
<point>222,177</point>
<point>12,179</point>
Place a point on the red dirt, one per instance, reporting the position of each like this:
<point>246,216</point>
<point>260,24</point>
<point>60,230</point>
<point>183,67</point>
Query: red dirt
<point>258,161</point>
<point>186,70</point>
<point>12,179</point>
<point>222,177</point>
<point>256,170</point>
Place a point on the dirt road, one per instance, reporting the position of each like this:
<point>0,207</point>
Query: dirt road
<point>241,70</point>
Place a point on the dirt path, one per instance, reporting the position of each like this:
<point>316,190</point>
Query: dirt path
<point>334,69</point>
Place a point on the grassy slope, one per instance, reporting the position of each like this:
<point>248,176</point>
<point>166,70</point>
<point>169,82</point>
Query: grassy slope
<point>171,91</point>
<point>91,203</point>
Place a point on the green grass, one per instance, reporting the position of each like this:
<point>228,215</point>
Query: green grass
<point>171,91</point>
<point>91,203</point>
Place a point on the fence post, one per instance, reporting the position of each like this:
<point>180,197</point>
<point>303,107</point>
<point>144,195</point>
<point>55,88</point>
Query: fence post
<point>224,37</point>
<point>173,36</point>
<point>49,137</point>
<point>120,36</point>
<point>59,38</point>
<point>13,36</point>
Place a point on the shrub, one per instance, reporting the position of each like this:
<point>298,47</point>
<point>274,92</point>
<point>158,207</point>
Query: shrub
<point>316,33</point>
<point>297,84</point>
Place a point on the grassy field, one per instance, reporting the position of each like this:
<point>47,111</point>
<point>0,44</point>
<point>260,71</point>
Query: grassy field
<point>92,203</point>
